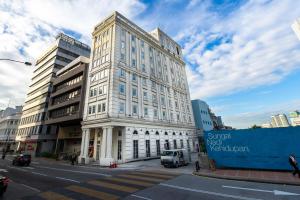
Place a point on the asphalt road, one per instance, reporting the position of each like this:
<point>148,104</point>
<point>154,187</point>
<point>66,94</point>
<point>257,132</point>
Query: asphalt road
<point>51,180</point>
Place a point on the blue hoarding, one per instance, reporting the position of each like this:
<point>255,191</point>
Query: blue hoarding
<point>253,148</point>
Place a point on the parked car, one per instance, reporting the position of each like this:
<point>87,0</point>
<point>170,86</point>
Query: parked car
<point>174,158</point>
<point>3,184</point>
<point>22,160</point>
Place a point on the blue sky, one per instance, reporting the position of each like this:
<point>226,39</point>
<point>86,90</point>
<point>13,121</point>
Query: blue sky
<point>242,57</point>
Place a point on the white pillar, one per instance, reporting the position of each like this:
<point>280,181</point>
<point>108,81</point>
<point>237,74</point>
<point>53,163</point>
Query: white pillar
<point>87,144</point>
<point>82,146</point>
<point>106,147</point>
<point>95,144</point>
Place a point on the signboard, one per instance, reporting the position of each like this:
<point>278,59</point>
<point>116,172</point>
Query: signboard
<point>263,148</point>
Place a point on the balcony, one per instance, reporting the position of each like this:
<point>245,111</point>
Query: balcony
<point>65,103</point>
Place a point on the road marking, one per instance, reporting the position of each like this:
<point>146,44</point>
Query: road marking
<point>53,196</point>
<point>114,186</point>
<point>39,174</point>
<point>32,188</point>
<point>137,196</point>
<point>275,192</point>
<point>140,183</point>
<point>28,167</point>
<point>74,171</point>
<point>3,170</point>
<point>208,192</point>
<point>142,178</point>
<point>153,175</point>
<point>23,170</point>
<point>9,159</point>
<point>34,162</point>
<point>92,193</point>
<point>66,179</point>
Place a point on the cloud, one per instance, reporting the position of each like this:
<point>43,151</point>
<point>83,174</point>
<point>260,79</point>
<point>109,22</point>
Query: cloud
<point>253,46</point>
<point>28,27</point>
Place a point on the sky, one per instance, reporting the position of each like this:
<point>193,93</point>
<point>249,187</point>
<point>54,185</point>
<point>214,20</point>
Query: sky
<point>242,57</point>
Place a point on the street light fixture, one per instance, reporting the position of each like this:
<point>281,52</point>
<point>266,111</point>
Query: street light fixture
<point>26,63</point>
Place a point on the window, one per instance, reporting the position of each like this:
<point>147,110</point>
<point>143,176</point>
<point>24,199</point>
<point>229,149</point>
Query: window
<point>121,73</point>
<point>154,98</point>
<point>155,113</point>
<point>99,108</point>
<point>157,147</point>
<point>174,133</point>
<point>134,110</point>
<point>135,149</point>
<point>181,144</point>
<point>119,149</point>
<point>121,107</point>
<point>153,84</point>
<point>164,115</point>
<point>147,133</point>
<point>145,111</point>
<point>122,88</point>
<point>167,145</point>
<point>104,89</point>
<point>123,45</point>
<point>90,110</point>
<point>161,88</point>
<point>133,38</point>
<point>144,80</point>
<point>143,68</point>
<point>162,99</point>
<point>134,92</point>
<point>133,64</point>
<point>134,78</point>
<point>135,132</point>
<point>166,133</point>
<point>147,148</point>
<point>133,49</point>
<point>103,107</point>
<point>100,90</point>
<point>142,43</point>
<point>143,55</point>
<point>123,32</point>
<point>145,95</point>
<point>122,56</point>
<point>93,92</point>
<point>93,109</point>
<point>175,144</point>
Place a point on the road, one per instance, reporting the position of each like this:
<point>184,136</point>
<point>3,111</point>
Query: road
<point>52,180</point>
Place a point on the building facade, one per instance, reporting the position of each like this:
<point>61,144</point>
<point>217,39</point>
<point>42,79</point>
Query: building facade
<point>145,106</point>
<point>34,135</point>
<point>9,122</point>
<point>201,115</point>
<point>66,104</point>
<point>295,118</point>
<point>279,120</point>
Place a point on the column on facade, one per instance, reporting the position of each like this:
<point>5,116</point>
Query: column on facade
<point>95,144</point>
<point>84,157</point>
<point>106,147</point>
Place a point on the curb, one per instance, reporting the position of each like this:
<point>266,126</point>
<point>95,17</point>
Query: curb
<point>246,179</point>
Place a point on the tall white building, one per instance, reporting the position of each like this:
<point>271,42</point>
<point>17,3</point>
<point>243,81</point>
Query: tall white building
<point>296,28</point>
<point>9,122</point>
<point>279,121</point>
<point>137,102</point>
<point>34,135</point>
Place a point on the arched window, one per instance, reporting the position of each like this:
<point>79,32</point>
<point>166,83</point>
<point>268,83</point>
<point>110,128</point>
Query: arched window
<point>180,133</point>
<point>156,133</point>
<point>147,133</point>
<point>174,133</point>
<point>135,132</point>
<point>166,133</point>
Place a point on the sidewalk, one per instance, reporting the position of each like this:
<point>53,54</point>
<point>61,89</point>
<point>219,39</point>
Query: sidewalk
<point>276,177</point>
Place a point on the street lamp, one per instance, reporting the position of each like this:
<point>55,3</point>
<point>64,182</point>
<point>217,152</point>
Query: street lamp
<point>26,63</point>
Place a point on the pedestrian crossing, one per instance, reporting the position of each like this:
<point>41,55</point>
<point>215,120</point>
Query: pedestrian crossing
<point>108,188</point>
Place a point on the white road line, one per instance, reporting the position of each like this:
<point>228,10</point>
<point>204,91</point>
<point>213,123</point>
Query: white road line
<point>35,162</point>
<point>67,179</point>
<point>23,170</point>
<point>74,171</point>
<point>29,167</point>
<point>32,188</point>
<point>9,159</point>
<point>39,174</point>
<point>3,170</point>
<point>208,192</point>
<point>140,197</point>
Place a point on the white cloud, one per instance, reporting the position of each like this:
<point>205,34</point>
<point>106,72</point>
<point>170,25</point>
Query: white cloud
<point>28,27</point>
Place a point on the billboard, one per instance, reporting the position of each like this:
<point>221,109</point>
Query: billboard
<point>263,148</point>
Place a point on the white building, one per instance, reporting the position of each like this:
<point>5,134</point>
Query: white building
<point>296,28</point>
<point>279,121</point>
<point>9,123</point>
<point>266,125</point>
<point>295,118</point>
<point>201,115</point>
<point>34,136</point>
<point>137,102</point>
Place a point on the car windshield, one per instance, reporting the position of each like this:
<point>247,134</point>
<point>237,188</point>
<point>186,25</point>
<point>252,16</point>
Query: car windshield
<point>168,153</point>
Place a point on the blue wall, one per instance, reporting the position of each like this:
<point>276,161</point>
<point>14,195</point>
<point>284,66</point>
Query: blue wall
<point>254,148</point>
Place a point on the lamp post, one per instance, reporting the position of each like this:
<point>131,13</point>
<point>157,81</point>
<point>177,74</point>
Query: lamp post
<point>7,59</point>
